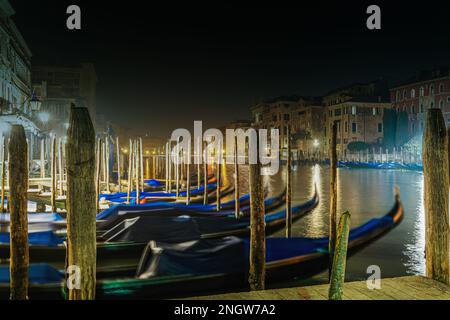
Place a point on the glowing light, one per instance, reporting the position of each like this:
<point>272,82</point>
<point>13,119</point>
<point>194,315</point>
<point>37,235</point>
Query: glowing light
<point>316,143</point>
<point>44,117</point>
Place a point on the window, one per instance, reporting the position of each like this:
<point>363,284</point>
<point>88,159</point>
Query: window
<point>413,93</point>
<point>431,89</point>
<point>337,112</point>
<point>380,127</point>
<point>412,109</point>
<point>286,117</point>
<point>397,96</point>
<point>346,126</point>
<point>353,110</point>
<point>441,104</point>
<point>432,105</point>
<point>354,127</point>
<point>404,94</point>
<point>374,111</point>
<point>274,117</point>
<point>441,88</point>
<point>448,99</point>
<point>421,108</point>
<point>422,91</point>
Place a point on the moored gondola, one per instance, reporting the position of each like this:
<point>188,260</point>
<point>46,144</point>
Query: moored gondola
<point>168,270</point>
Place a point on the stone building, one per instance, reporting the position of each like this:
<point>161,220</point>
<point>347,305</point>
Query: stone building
<point>302,116</point>
<point>18,104</point>
<point>358,112</point>
<point>427,89</point>
<point>59,86</point>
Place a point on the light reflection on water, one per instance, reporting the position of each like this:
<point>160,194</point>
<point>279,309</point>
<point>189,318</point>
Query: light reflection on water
<point>366,194</point>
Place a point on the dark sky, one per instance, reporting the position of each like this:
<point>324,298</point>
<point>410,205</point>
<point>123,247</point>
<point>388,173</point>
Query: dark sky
<point>162,66</point>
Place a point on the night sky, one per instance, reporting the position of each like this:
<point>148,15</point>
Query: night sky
<point>162,66</point>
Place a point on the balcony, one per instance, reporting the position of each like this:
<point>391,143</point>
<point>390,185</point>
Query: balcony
<point>12,115</point>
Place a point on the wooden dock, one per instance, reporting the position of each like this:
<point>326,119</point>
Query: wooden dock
<point>402,288</point>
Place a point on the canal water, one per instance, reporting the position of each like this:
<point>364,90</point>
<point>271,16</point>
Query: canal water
<point>366,194</point>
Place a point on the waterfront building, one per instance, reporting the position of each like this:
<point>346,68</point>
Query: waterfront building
<point>426,89</point>
<point>358,112</point>
<point>59,86</point>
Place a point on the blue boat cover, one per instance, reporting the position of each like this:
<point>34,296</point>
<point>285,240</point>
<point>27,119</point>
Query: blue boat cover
<point>230,254</point>
<point>42,238</point>
<point>41,273</point>
<point>153,183</point>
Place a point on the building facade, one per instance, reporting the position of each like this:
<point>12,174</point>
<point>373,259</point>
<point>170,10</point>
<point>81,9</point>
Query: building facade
<point>16,105</point>
<point>59,86</point>
<point>298,117</point>
<point>358,112</point>
<point>427,89</point>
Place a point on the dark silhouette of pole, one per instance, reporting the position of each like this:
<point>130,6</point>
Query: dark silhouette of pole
<point>18,186</point>
<point>333,195</point>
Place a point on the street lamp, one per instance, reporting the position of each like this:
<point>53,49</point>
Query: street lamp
<point>35,102</point>
<point>316,143</point>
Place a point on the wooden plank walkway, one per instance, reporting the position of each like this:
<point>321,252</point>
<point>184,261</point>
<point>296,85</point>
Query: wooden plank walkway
<point>402,288</point>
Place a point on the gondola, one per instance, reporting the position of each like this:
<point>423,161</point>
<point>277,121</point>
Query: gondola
<point>206,266</point>
<point>127,239</point>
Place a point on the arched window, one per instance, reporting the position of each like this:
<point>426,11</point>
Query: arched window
<point>431,89</point>
<point>431,105</point>
<point>397,96</point>
<point>441,88</point>
<point>441,104</point>
<point>412,109</point>
<point>421,91</point>
<point>413,93</point>
<point>404,94</point>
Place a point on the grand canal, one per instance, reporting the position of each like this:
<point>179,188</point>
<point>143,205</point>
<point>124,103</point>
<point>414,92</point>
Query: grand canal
<point>367,194</point>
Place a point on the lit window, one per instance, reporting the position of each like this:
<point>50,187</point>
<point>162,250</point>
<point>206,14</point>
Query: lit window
<point>413,93</point>
<point>353,110</point>
<point>422,91</point>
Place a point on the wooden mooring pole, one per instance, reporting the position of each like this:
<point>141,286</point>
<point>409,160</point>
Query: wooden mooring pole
<point>237,205</point>
<point>337,278</point>
<point>130,171</point>
<point>43,158</point>
<point>288,188</point>
<point>81,203</point>
<point>3,174</point>
<point>436,196</point>
<point>141,164</point>
<point>333,196</point>
<point>218,175</point>
<point>98,172</point>
<point>60,167</point>
<point>119,169</point>
<point>18,186</point>
<point>53,174</point>
<point>257,272</point>
<point>205,174</point>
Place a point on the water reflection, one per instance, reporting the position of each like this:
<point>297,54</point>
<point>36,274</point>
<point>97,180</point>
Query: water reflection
<point>366,194</point>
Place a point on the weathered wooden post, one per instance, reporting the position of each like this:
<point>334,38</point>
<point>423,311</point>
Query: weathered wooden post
<point>333,196</point>
<point>257,272</point>
<point>219,175</point>
<point>18,186</point>
<point>177,172</point>
<point>137,170</point>
<point>98,171</point>
<point>43,158</point>
<point>199,156</point>
<point>237,205</point>
<point>188,177</point>
<point>107,157</point>
<point>167,166</point>
<point>288,189</point>
<point>205,174</point>
<point>130,171</point>
<point>436,196</point>
<point>3,174</point>
<point>53,174</point>
<point>104,162</point>
<point>60,167</point>
<point>337,278</point>
<point>141,164</point>
<point>119,170</point>
<point>381,155</point>
<point>81,203</point>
